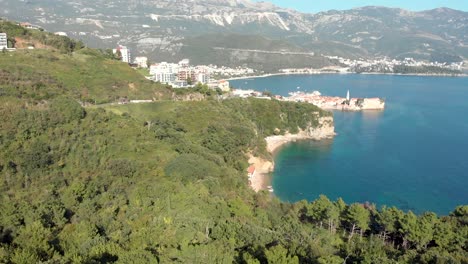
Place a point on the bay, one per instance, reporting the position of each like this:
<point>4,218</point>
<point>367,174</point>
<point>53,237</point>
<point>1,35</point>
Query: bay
<point>413,155</point>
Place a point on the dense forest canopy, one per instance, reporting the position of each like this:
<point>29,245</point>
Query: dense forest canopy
<point>165,182</point>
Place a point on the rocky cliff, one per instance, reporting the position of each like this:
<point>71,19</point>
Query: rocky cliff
<point>325,129</point>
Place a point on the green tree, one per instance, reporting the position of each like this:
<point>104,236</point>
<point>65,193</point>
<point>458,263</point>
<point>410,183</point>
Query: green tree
<point>417,232</point>
<point>65,110</point>
<point>323,210</point>
<point>21,256</point>
<point>136,257</point>
<point>408,228</point>
<point>35,157</point>
<point>357,217</point>
<point>279,255</point>
<point>330,260</point>
<point>387,220</point>
<point>249,259</point>
<point>35,239</point>
<point>426,224</point>
<point>444,235</point>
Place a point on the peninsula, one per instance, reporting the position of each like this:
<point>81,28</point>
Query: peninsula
<point>337,103</point>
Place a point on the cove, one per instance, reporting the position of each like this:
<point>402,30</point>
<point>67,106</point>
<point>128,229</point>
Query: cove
<point>413,155</point>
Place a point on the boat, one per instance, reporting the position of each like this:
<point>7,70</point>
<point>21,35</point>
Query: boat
<point>270,188</point>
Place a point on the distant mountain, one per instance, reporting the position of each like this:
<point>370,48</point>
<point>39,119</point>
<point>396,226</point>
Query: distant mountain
<point>165,29</point>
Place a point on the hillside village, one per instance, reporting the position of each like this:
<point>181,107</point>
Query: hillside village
<point>177,75</point>
<point>183,74</point>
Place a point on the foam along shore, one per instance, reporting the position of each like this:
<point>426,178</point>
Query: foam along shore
<point>259,180</point>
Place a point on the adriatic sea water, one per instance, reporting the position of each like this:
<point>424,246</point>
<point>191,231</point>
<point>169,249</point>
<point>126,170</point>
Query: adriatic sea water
<point>413,155</point>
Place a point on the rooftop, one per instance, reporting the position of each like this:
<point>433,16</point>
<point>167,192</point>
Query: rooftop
<point>251,169</point>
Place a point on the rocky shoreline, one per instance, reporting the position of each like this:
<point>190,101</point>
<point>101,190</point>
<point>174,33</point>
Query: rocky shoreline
<point>260,180</point>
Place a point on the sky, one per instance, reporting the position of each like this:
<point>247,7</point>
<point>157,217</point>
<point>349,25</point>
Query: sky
<point>313,6</point>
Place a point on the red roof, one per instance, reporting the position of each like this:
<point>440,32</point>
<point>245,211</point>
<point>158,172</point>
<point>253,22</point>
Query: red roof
<point>251,169</point>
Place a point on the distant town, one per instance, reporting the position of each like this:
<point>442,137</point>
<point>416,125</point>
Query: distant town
<point>185,75</point>
<point>384,65</point>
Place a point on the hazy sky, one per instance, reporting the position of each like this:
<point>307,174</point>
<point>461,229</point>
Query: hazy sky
<point>324,5</point>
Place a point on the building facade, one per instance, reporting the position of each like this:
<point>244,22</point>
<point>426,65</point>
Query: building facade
<point>164,72</point>
<point>3,41</point>
<point>142,62</point>
<point>124,53</point>
<point>180,74</point>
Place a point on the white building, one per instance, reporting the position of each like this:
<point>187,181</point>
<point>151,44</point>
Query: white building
<point>3,41</point>
<point>164,72</point>
<point>63,34</point>
<point>202,77</point>
<point>224,86</point>
<point>142,62</point>
<point>243,93</point>
<point>165,77</point>
<point>30,26</point>
<point>125,53</point>
<point>185,63</point>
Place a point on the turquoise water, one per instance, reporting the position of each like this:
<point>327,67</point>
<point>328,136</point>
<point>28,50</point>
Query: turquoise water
<point>413,155</point>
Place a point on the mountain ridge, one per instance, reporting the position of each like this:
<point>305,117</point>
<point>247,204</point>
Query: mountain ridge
<point>159,29</point>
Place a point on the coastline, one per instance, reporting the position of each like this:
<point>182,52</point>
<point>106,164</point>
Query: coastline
<point>283,74</point>
<point>261,178</point>
<point>363,73</point>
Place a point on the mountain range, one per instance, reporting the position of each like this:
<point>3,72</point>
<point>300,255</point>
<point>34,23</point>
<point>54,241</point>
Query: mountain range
<point>257,34</point>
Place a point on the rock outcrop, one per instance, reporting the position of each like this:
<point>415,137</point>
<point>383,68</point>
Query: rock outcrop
<point>325,129</point>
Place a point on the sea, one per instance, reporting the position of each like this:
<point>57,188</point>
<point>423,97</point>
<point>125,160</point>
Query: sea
<point>412,155</point>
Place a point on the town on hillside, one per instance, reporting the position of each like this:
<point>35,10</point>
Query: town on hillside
<point>183,74</point>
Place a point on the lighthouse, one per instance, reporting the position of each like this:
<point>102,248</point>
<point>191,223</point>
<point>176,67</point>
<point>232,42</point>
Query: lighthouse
<point>347,96</point>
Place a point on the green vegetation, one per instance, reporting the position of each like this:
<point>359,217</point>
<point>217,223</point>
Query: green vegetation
<point>85,74</point>
<point>165,182</point>
<point>424,70</point>
<point>233,50</point>
<point>39,38</point>
<point>403,69</point>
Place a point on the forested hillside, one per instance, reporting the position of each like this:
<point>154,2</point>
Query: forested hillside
<point>166,182</point>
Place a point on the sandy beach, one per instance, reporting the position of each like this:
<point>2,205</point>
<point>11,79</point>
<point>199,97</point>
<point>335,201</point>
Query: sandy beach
<point>260,179</point>
<point>263,168</point>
